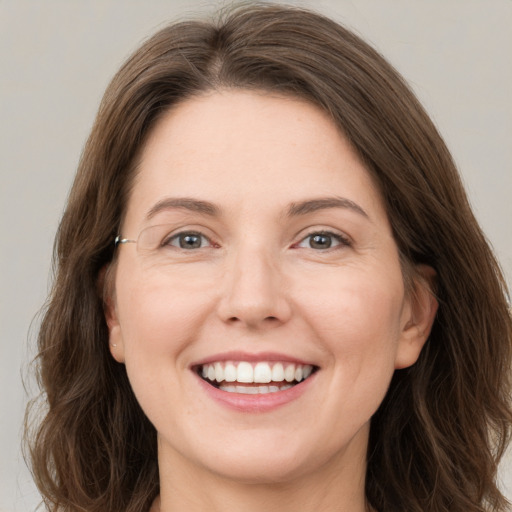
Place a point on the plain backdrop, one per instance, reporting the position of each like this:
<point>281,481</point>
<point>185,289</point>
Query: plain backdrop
<point>56,58</point>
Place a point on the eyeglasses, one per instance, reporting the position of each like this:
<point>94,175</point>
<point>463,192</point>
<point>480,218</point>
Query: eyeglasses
<point>168,242</point>
<point>165,238</point>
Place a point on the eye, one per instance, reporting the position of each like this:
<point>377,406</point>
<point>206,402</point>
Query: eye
<point>323,240</point>
<point>188,240</point>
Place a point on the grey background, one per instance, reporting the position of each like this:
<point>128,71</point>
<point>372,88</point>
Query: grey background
<point>56,58</point>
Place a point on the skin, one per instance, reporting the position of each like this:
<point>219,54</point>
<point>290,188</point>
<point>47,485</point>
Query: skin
<point>257,285</point>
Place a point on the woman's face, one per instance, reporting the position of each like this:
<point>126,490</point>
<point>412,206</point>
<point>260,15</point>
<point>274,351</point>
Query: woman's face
<point>261,325</point>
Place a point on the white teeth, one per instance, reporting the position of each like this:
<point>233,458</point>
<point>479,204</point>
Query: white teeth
<point>278,373</point>
<point>245,372</point>
<point>219,372</point>
<point>254,390</point>
<point>262,373</point>
<point>230,372</point>
<point>289,373</point>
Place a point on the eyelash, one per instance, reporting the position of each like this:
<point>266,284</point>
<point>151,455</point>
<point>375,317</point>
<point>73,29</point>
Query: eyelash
<point>341,240</point>
<point>168,240</point>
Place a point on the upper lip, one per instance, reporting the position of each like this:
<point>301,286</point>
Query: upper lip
<point>251,357</point>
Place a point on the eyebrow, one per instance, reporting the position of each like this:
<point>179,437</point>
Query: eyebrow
<point>186,203</point>
<point>323,203</point>
<point>294,210</point>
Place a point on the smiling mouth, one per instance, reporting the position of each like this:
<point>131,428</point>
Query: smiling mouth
<point>254,378</point>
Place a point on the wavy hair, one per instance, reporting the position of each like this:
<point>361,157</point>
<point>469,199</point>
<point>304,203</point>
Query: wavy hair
<point>437,438</point>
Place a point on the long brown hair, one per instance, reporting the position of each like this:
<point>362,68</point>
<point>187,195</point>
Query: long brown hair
<point>437,438</point>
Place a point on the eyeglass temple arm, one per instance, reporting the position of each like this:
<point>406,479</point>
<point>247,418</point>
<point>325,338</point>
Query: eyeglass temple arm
<point>118,240</point>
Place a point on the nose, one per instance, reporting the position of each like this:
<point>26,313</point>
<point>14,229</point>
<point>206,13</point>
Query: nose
<point>254,293</point>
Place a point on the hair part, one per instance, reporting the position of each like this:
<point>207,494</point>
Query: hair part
<point>437,438</point>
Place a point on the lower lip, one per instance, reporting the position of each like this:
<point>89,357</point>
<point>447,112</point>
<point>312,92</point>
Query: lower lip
<point>256,403</point>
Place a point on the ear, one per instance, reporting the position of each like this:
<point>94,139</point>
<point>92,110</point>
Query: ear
<point>419,314</point>
<point>107,290</point>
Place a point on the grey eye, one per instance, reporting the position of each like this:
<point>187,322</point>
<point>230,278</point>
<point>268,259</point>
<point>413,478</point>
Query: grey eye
<point>189,240</point>
<point>320,241</point>
<point>323,241</point>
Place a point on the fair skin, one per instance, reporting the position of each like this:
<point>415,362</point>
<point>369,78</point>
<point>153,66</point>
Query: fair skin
<point>285,257</point>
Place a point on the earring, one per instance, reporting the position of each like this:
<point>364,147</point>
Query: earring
<point>114,344</point>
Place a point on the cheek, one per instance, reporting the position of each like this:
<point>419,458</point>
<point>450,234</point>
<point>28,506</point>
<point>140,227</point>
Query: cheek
<point>159,318</point>
<point>158,323</point>
<point>357,315</point>
<point>359,293</point>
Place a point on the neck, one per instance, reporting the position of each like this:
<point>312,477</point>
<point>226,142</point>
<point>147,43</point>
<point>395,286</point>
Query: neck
<point>335,487</point>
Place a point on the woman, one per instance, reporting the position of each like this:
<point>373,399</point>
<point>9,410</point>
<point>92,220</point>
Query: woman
<point>271,291</point>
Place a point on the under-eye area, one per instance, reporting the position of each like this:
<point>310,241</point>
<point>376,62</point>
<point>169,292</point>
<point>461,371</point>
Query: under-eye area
<point>254,378</point>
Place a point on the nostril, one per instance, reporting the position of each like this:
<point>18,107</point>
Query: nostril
<point>254,323</point>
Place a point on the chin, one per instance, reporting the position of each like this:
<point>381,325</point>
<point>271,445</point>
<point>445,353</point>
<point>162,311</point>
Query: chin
<point>266,463</point>
<point>262,471</point>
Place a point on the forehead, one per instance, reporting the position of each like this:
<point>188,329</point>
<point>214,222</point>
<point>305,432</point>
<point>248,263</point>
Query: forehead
<point>246,149</point>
